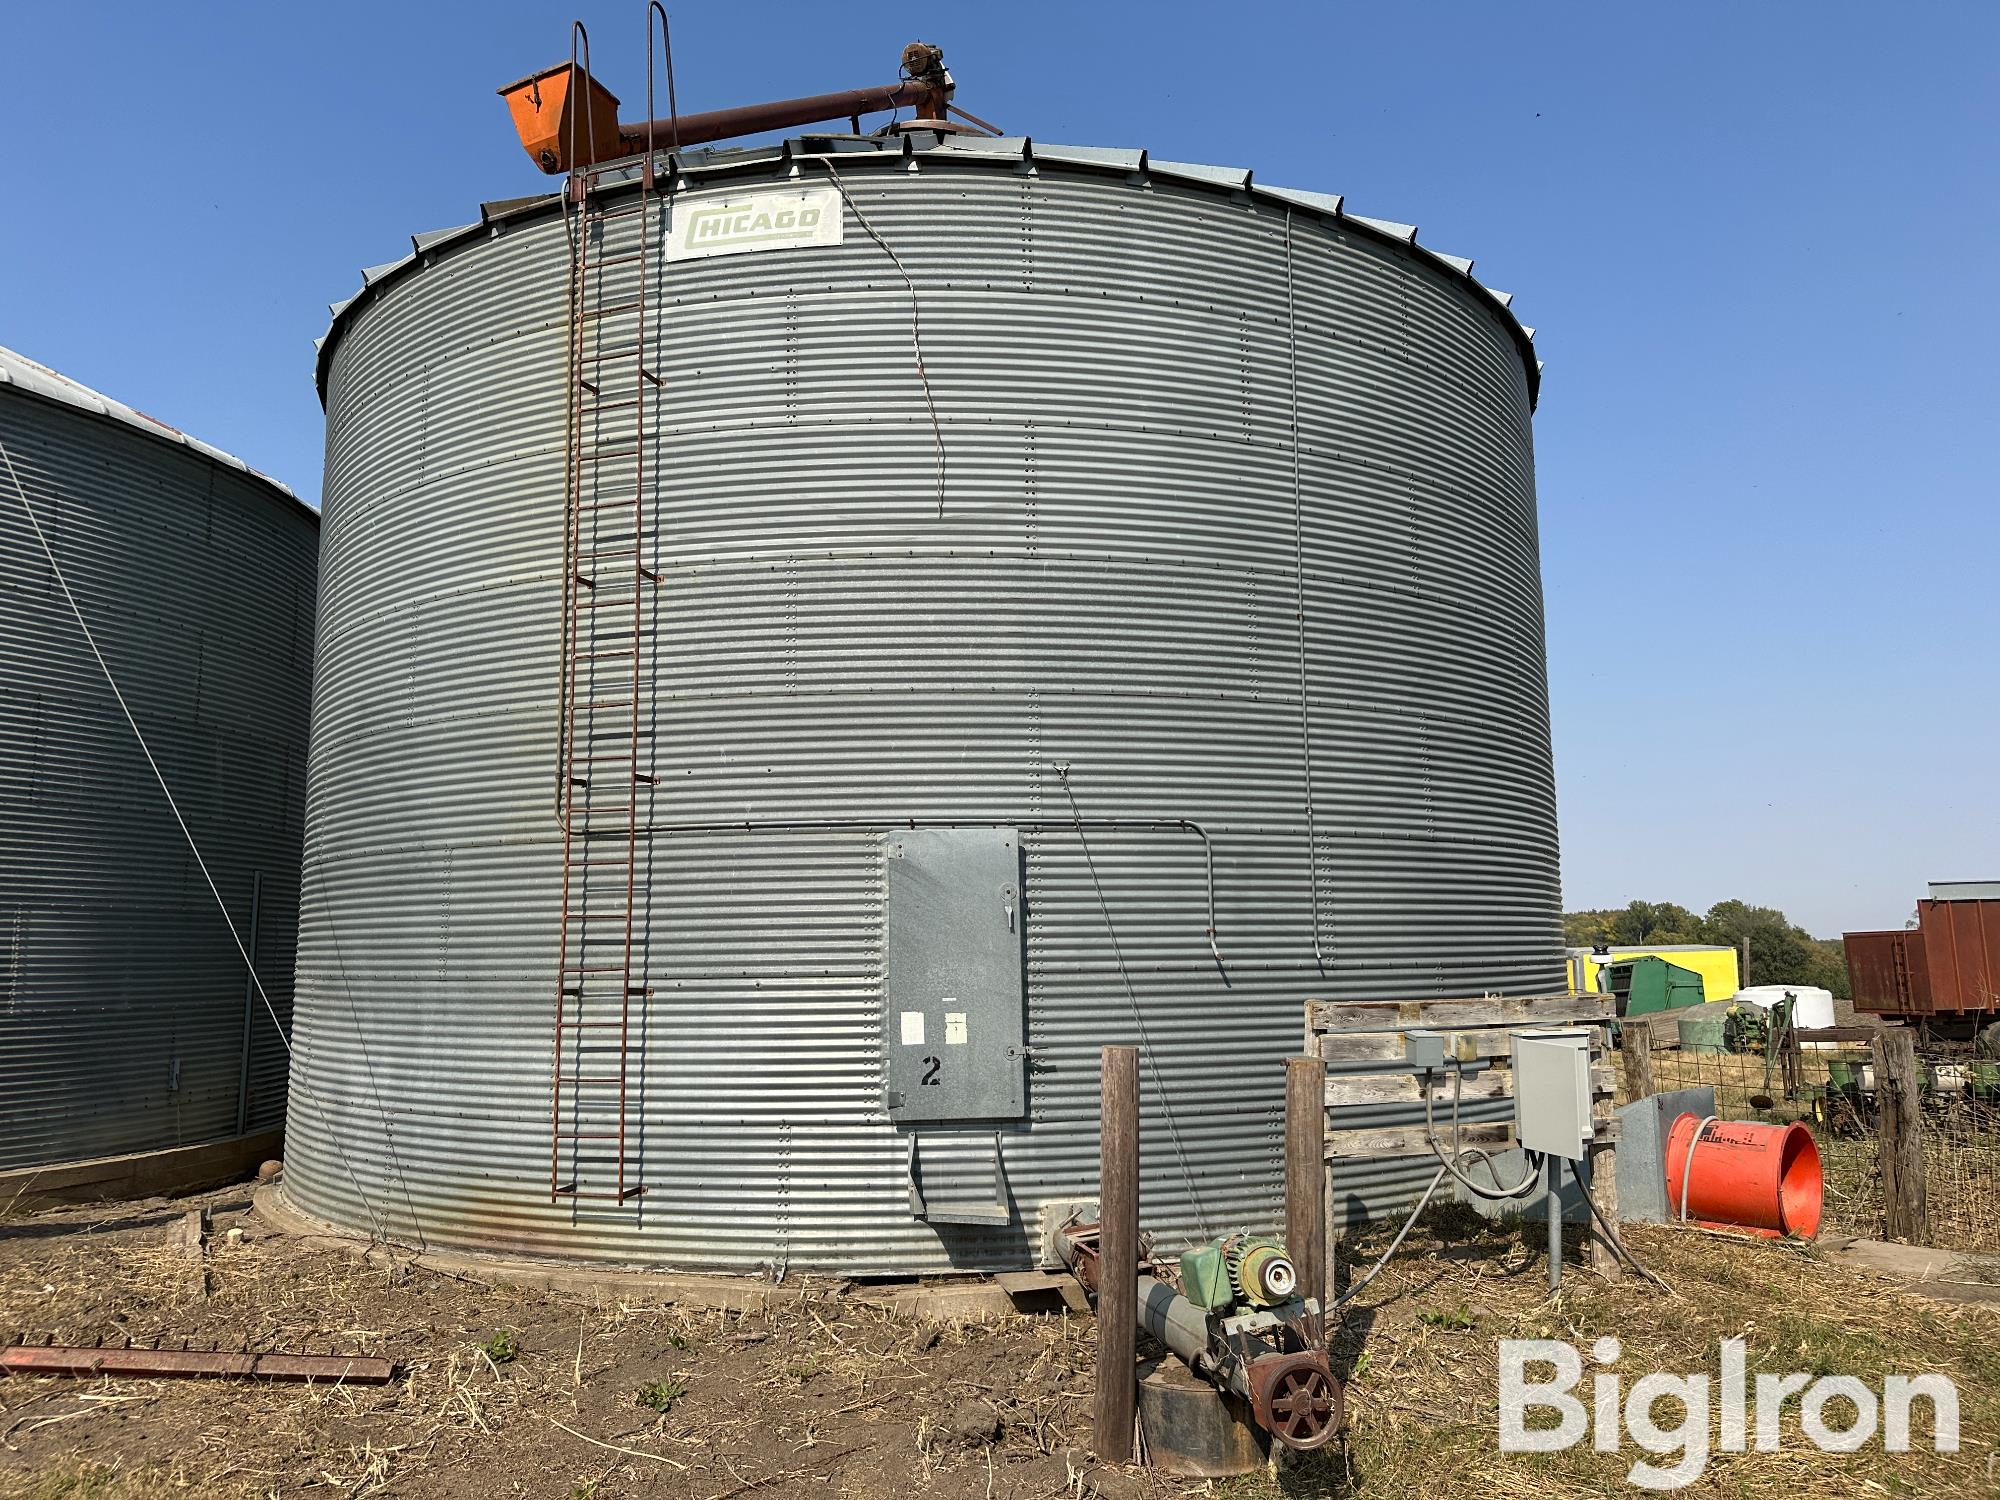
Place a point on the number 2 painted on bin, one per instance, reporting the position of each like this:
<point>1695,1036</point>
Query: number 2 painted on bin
<point>930,1077</point>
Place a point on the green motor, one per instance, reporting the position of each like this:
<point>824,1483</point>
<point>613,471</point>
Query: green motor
<point>1240,1270</point>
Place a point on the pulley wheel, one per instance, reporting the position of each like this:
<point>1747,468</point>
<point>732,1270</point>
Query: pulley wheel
<point>1303,1406</point>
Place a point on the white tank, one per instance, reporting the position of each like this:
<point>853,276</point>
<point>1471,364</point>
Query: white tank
<point>1814,1009</point>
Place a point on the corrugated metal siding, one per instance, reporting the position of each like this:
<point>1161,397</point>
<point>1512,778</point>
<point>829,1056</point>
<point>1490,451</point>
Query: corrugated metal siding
<point>121,993</point>
<point>1961,942</point>
<point>1113,587</point>
<point>1887,974</point>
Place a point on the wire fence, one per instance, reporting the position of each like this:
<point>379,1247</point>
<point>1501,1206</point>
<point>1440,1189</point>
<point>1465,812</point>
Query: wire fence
<point>1831,1089</point>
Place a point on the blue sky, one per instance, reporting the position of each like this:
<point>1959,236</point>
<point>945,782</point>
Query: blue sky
<point>1757,242</point>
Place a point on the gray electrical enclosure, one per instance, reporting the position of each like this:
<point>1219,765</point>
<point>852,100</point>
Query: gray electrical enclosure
<point>1552,1092</point>
<point>952,996</point>
<point>1423,1049</point>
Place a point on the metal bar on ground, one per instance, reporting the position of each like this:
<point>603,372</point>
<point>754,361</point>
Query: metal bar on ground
<point>1118,1266</point>
<point>148,1364</point>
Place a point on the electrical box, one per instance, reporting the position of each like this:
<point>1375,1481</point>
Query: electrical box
<point>1423,1049</point>
<point>1552,1092</point>
<point>954,1004</point>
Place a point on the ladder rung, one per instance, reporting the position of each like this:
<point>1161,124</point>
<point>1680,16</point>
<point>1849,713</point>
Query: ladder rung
<point>606,215</point>
<point>570,1190</point>
<point>625,504</point>
<point>600,456</point>
<point>616,352</point>
<point>611,215</point>
<point>613,310</point>
<point>586,1135</point>
<point>592,408</point>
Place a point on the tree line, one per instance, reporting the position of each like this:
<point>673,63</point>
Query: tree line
<point>1781,951</point>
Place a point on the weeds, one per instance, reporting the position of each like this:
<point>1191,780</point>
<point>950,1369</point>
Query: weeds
<point>660,1395</point>
<point>502,1348</point>
<point>1457,1319</point>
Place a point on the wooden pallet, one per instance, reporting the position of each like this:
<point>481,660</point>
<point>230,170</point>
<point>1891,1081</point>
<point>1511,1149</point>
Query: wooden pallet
<point>1475,1030</point>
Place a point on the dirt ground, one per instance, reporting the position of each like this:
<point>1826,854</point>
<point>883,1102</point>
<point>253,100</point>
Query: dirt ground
<point>521,1393</point>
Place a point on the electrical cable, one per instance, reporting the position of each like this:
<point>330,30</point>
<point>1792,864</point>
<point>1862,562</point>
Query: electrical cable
<point>1299,576</point>
<point>1354,1288</point>
<point>1132,998</point>
<point>1618,1245</point>
<point>1687,1166</point>
<point>1496,1193</point>
<point>1529,1181</point>
<point>916,325</point>
<point>1445,1167</point>
<point>90,640</point>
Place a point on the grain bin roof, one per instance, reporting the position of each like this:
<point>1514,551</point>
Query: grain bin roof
<point>699,167</point>
<point>36,379</point>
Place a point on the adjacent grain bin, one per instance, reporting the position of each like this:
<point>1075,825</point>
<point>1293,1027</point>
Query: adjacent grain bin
<point>1053,597</point>
<point>126,1020</point>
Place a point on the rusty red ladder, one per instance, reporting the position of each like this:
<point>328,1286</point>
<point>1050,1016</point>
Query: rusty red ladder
<point>607,587</point>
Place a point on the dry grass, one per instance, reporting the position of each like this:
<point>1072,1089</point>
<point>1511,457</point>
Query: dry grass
<point>831,1397</point>
<point>1422,1396</point>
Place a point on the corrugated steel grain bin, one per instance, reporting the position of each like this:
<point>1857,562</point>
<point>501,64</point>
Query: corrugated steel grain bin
<point>1218,643</point>
<point>126,1022</point>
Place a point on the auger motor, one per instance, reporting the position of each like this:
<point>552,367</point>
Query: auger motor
<point>1240,1324</point>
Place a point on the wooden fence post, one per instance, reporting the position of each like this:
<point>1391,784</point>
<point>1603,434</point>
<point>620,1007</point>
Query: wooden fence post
<point>1599,1178</point>
<point>1635,1042</point>
<point>1118,1255</point>
<point>1305,1172</point>
<point>1898,1106</point>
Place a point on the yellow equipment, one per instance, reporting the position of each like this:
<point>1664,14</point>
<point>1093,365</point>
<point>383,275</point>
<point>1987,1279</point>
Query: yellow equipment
<point>1716,965</point>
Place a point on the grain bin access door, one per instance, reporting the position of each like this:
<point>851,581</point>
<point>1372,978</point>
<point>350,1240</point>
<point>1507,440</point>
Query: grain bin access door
<point>953,1004</point>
